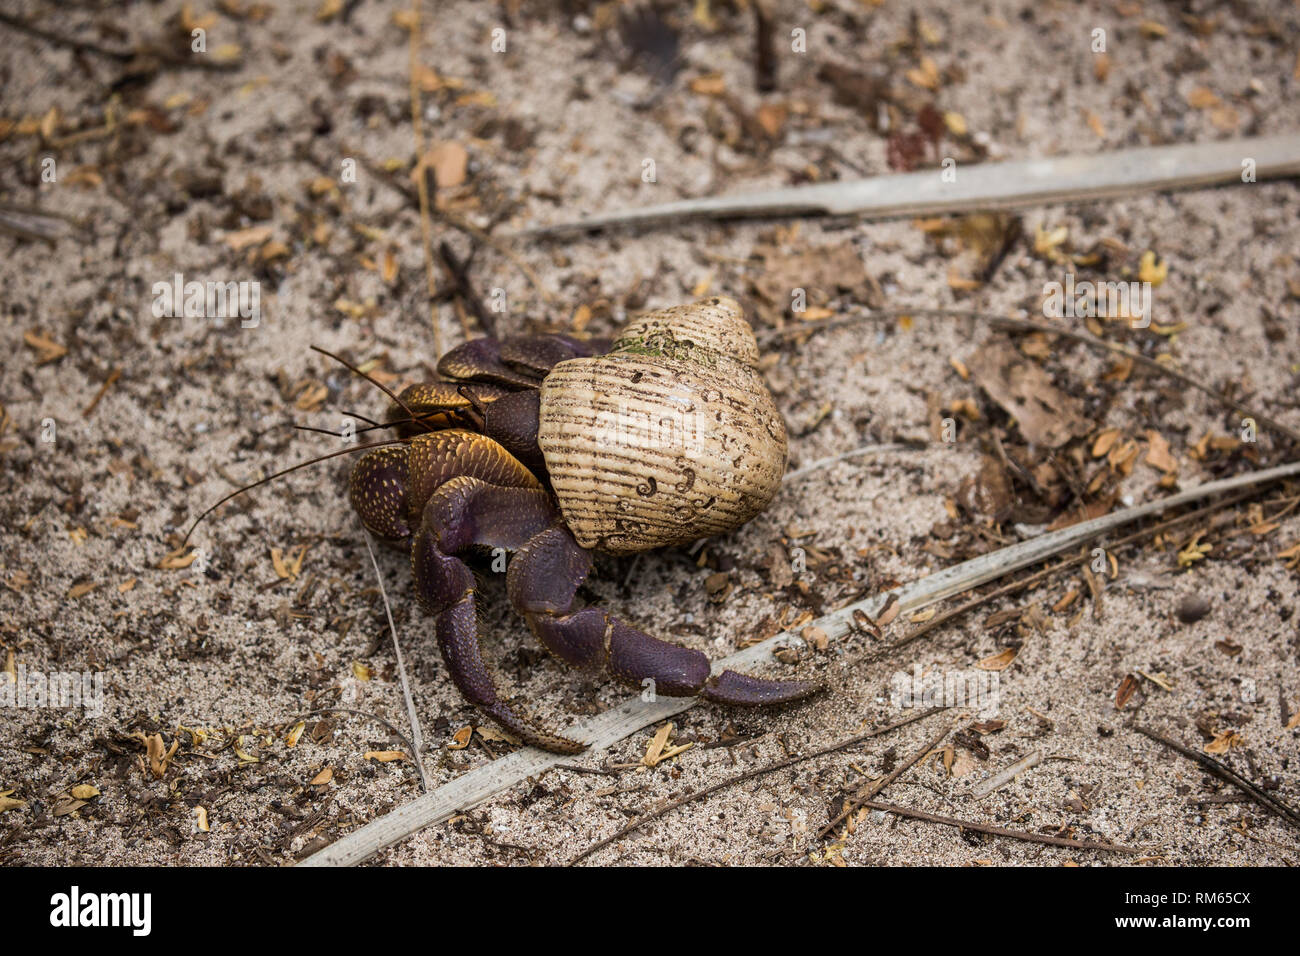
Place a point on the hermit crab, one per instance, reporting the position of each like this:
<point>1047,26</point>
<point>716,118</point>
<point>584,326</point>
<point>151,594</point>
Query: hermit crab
<point>546,448</point>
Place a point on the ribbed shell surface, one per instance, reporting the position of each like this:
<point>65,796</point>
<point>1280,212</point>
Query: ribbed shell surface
<point>651,446</point>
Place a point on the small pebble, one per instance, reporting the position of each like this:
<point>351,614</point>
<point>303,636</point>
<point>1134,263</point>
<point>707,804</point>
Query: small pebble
<point>1192,608</point>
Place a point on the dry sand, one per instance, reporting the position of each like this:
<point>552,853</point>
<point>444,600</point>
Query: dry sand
<point>238,652</point>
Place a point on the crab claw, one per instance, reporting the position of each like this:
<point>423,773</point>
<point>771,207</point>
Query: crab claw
<point>742,690</point>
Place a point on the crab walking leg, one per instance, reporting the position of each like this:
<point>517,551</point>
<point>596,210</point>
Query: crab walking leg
<point>468,513</point>
<point>542,581</point>
<point>519,361</point>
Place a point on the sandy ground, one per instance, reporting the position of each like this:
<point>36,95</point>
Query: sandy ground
<point>223,656</point>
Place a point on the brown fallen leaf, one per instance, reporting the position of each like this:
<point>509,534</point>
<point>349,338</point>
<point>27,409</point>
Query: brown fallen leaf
<point>461,738</point>
<point>449,162</point>
<point>1224,740</point>
<point>889,611</point>
<point>1045,415</point>
<point>160,757</point>
<point>710,84</point>
<point>493,735</point>
<point>384,756</point>
<point>47,350</point>
<point>322,778</point>
<point>1127,687</point>
<point>1158,455</point>
<point>655,751</point>
<point>241,239</point>
<point>175,560</point>
<point>85,791</point>
<point>10,803</point>
<point>1000,661</point>
<point>1105,442</point>
<point>68,805</point>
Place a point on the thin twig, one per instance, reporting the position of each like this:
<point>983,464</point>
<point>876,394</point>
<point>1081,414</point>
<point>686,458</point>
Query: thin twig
<point>1225,773</point>
<point>417,736</point>
<point>71,43</point>
<point>463,288</point>
<point>1000,831</point>
<point>421,177</point>
<point>1031,579</point>
<point>742,777</point>
<point>875,787</point>
<point>844,456</point>
<point>1007,774</point>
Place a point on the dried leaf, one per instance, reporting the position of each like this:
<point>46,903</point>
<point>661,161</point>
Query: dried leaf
<point>1045,415</point>
<point>10,803</point>
<point>384,756</point>
<point>710,84</point>
<point>654,752</point>
<point>47,350</point>
<point>1125,692</point>
<point>449,162</point>
<point>241,239</point>
<point>175,560</point>
<point>1224,740</point>
<point>998,662</point>
<point>1158,453</point>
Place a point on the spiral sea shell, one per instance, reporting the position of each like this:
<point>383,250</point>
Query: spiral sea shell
<point>669,437</point>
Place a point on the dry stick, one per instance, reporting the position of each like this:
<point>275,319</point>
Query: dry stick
<point>421,180</point>
<point>417,736</point>
<point>875,787</point>
<point>71,43</point>
<point>983,186</point>
<point>1000,831</point>
<point>1006,775</point>
<point>741,778</point>
<point>1265,800</point>
<point>632,715</point>
<point>461,225</point>
<point>1027,581</point>
<point>1029,325</point>
<point>483,236</point>
<point>844,456</point>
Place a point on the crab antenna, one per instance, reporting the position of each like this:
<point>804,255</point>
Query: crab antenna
<point>373,381</point>
<point>395,423</point>
<point>368,421</point>
<point>279,474</point>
